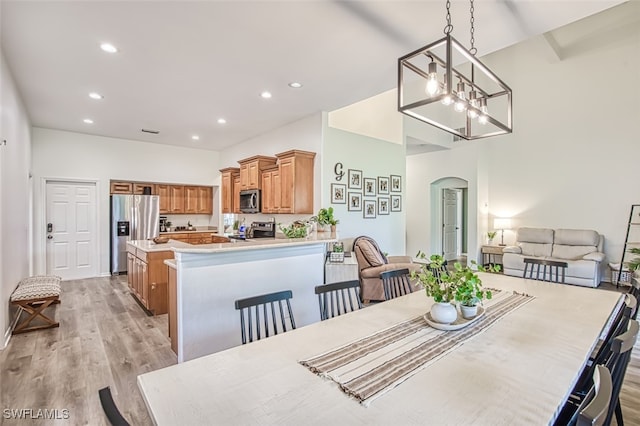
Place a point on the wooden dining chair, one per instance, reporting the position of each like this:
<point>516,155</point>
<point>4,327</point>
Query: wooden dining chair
<point>110,409</point>
<point>617,365</point>
<point>265,303</point>
<point>338,298</point>
<point>438,269</point>
<point>396,283</point>
<point>557,270</point>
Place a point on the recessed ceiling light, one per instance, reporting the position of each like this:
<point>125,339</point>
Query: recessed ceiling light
<point>94,95</point>
<point>265,95</point>
<point>222,121</point>
<point>195,137</point>
<point>108,47</point>
<point>295,85</point>
<point>88,121</point>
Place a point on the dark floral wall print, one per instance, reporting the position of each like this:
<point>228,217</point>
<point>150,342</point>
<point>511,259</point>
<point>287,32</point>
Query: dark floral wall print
<point>355,202</point>
<point>396,203</point>
<point>383,205</point>
<point>383,185</point>
<point>369,187</point>
<point>396,183</point>
<point>355,179</point>
<point>338,193</point>
<point>369,209</point>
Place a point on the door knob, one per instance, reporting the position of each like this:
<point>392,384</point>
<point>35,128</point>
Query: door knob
<point>49,237</point>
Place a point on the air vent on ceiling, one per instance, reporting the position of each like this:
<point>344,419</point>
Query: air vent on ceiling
<point>155,132</point>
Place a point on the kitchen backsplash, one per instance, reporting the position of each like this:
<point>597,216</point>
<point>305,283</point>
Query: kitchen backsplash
<point>195,219</point>
<point>285,219</point>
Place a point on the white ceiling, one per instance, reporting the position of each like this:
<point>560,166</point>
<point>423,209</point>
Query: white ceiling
<point>182,64</point>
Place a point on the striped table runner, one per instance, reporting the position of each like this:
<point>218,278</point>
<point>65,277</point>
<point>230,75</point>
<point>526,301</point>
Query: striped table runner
<point>369,367</point>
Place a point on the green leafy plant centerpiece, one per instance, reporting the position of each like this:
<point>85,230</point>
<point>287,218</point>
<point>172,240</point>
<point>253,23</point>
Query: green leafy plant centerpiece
<point>297,229</point>
<point>491,235</point>
<point>461,284</point>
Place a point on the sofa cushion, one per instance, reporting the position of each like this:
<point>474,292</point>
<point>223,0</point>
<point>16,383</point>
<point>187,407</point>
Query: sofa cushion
<point>577,237</point>
<point>562,251</point>
<point>535,235</point>
<point>535,249</point>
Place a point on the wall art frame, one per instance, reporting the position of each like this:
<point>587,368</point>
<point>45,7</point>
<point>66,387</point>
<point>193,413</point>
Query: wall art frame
<point>369,209</point>
<point>338,193</point>
<point>355,179</point>
<point>383,185</point>
<point>383,205</point>
<point>355,202</point>
<point>396,203</point>
<point>396,183</point>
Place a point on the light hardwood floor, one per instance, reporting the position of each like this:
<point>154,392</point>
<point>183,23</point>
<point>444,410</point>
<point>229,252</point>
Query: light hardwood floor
<point>105,339</point>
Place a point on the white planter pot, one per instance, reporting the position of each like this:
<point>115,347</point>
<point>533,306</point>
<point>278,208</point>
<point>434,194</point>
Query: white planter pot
<point>444,312</point>
<point>469,312</point>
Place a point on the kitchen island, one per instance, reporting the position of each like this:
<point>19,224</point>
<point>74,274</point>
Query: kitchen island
<point>205,280</point>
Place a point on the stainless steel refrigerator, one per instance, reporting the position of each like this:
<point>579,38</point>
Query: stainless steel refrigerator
<point>133,217</point>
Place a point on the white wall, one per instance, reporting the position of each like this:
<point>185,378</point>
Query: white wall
<point>572,161</point>
<point>15,187</point>
<point>304,134</point>
<point>374,158</point>
<point>66,155</point>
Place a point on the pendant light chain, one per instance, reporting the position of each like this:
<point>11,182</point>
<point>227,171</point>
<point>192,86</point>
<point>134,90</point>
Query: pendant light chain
<point>472,50</point>
<point>448,28</point>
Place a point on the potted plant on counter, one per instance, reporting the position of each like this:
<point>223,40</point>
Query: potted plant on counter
<point>325,218</point>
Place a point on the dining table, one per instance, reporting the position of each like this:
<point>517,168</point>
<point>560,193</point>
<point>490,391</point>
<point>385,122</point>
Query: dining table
<point>514,366</point>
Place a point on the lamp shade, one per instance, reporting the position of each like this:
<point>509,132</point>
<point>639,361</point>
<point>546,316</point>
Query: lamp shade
<point>502,223</point>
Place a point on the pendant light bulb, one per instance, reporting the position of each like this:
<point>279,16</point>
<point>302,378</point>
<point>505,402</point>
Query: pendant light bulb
<point>433,86</point>
<point>461,101</point>
<point>474,103</point>
<point>483,119</point>
<point>448,99</point>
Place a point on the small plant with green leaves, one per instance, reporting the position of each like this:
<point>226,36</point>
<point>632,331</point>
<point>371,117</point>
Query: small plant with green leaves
<point>297,229</point>
<point>462,284</point>
<point>325,217</point>
<point>492,234</point>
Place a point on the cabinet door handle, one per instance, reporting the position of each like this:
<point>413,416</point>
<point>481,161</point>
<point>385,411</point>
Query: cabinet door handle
<point>153,286</point>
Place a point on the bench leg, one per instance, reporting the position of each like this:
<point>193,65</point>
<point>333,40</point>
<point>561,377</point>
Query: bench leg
<point>35,309</point>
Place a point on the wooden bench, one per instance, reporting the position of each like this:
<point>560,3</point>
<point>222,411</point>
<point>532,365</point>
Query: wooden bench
<point>33,295</point>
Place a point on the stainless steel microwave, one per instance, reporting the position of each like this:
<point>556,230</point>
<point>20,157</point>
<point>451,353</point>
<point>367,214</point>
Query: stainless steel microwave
<point>250,201</point>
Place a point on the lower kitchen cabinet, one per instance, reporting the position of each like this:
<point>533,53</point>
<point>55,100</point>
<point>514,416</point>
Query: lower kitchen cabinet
<point>147,277</point>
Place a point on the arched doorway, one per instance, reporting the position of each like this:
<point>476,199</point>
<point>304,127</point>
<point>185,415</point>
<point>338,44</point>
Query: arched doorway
<point>450,213</point>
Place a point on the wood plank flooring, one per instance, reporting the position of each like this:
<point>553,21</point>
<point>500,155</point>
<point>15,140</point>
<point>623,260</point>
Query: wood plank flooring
<point>105,339</point>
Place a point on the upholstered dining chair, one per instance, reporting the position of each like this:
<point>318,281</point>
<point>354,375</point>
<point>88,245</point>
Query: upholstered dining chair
<point>338,298</point>
<point>372,262</point>
<point>557,270</point>
<point>265,303</point>
<point>396,283</point>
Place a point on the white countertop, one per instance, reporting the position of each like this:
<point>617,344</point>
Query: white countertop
<point>234,245</point>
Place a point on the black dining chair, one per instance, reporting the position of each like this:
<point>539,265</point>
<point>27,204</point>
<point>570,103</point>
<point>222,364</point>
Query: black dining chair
<point>634,290</point>
<point>438,269</point>
<point>396,283</point>
<point>265,303</point>
<point>110,409</point>
<point>338,298</point>
<point>557,270</point>
<point>593,409</point>
<point>617,365</point>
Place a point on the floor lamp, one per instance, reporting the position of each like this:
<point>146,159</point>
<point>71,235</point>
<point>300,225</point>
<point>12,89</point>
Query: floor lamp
<point>502,223</point>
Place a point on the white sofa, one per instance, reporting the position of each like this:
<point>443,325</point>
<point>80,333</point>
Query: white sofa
<point>582,249</point>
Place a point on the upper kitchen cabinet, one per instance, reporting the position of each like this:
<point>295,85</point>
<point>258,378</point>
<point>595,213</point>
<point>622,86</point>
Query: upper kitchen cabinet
<point>121,187</point>
<point>204,203</point>
<point>230,189</point>
<point>191,199</point>
<point>165,197</point>
<point>296,181</point>
<point>139,188</point>
<point>251,171</point>
<point>176,199</point>
<point>271,190</point>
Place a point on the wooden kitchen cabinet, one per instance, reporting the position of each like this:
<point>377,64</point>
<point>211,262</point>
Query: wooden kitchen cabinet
<point>176,199</point>
<point>138,188</point>
<point>236,194</point>
<point>296,181</point>
<point>190,199</point>
<point>121,187</point>
<point>251,170</point>
<point>147,279</point>
<point>165,196</point>
<point>229,189</point>
<point>271,191</point>
<point>205,200</point>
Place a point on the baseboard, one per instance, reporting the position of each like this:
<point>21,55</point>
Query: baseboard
<point>8,333</point>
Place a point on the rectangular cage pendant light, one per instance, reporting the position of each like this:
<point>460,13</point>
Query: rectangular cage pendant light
<point>444,85</point>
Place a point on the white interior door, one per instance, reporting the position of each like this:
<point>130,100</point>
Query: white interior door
<point>71,229</point>
<point>450,224</point>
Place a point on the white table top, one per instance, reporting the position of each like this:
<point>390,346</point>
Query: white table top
<point>518,371</point>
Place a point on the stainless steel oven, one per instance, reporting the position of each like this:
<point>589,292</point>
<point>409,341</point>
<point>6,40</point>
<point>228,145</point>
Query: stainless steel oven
<point>250,201</point>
